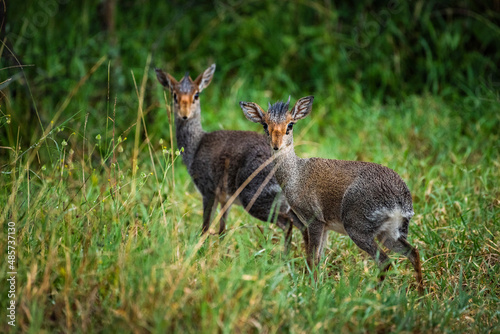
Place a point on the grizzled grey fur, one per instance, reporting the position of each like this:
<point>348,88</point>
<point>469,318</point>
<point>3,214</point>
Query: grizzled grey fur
<point>364,200</point>
<point>186,84</point>
<point>277,112</point>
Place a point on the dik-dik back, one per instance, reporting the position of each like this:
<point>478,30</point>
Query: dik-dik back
<point>335,187</point>
<point>220,162</point>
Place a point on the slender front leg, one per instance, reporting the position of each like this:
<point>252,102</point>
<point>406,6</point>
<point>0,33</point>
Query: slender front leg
<point>208,206</point>
<point>288,237</point>
<point>300,225</point>
<point>284,222</point>
<point>222,222</point>
<point>316,238</point>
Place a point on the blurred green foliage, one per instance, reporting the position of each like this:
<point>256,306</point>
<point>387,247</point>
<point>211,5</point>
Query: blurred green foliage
<point>340,52</point>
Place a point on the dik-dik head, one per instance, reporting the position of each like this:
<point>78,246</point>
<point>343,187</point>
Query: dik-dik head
<point>278,121</point>
<point>186,93</point>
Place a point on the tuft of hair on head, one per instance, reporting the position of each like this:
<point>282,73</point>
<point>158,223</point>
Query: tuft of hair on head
<point>278,111</point>
<point>185,85</point>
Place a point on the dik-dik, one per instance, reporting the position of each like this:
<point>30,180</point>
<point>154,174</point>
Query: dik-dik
<point>220,162</point>
<point>364,200</point>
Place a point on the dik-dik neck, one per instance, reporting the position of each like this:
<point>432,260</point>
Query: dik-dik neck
<point>188,134</point>
<point>287,165</point>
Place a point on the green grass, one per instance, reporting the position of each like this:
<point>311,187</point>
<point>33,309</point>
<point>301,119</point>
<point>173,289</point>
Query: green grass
<point>95,254</point>
<point>108,228</point>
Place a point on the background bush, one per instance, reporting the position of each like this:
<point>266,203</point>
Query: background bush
<point>368,51</point>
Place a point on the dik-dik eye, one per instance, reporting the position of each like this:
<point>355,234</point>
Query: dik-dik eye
<point>175,98</point>
<point>264,125</point>
<point>289,128</point>
<point>196,96</point>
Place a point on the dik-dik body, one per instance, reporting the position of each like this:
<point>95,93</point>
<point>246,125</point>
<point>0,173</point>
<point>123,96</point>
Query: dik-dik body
<point>364,200</point>
<point>220,162</point>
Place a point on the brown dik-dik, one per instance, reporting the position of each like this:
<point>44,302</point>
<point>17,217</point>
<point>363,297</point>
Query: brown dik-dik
<point>220,162</point>
<point>364,200</point>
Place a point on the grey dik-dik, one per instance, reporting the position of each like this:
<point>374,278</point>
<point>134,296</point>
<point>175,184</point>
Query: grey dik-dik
<point>220,162</point>
<point>364,200</point>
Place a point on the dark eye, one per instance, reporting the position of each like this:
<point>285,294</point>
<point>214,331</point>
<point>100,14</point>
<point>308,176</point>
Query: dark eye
<point>196,96</point>
<point>289,127</point>
<point>175,98</point>
<point>264,125</point>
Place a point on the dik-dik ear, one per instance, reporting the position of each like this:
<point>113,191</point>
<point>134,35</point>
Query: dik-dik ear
<point>165,79</point>
<point>204,79</point>
<point>302,107</point>
<point>252,111</point>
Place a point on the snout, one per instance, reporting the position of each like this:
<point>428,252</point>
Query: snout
<point>184,111</point>
<point>276,141</point>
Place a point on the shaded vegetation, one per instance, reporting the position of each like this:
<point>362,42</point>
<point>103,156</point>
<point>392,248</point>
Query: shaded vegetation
<point>108,220</point>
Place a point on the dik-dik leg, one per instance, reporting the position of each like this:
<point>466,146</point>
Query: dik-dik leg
<point>286,224</point>
<point>402,246</point>
<point>360,232</point>
<point>315,240</point>
<point>223,219</point>
<point>209,204</point>
<point>291,219</point>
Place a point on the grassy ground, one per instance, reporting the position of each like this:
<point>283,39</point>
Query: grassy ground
<point>108,220</point>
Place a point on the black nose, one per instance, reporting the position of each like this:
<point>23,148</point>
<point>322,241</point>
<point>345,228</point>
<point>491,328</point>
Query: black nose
<point>275,148</point>
<point>184,117</point>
